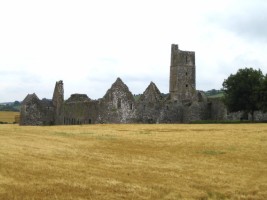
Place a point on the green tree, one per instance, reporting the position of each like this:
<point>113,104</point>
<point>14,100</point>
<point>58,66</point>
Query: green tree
<point>263,95</point>
<point>242,90</point>
<point>16,103</point>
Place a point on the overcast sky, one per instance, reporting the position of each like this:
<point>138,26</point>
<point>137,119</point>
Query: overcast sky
<point>88,44</point>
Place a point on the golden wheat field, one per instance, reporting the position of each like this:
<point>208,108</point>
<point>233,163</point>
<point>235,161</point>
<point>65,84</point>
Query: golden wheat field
<point>134,162</point>
<point>8,116</point>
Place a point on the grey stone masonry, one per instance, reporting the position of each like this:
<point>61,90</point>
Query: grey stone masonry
<point>183,104</point>
<point>182,75</point>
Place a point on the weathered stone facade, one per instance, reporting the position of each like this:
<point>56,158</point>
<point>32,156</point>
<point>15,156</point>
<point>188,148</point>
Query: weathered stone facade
<point>37,112</point>
<point>58,100</point>
<point>183,104</point>
<point>182,75</point>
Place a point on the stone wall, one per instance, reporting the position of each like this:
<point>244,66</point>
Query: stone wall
<point>149,105</point>
<point>259,116</point>
<point>117,105</point>
<point>48,112</point>
<point>58,100</point>
<point>182,75</point>
<point>217,109</point>
<point>182,105</point>
<point>81,112</point>
<point>171,112</point>
<point>36,112</point>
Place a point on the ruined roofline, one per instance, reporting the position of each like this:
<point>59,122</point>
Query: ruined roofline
<point>175,48</point>
<point>29,97</point>
<point>182,104</point>
<point>78,98</point>
<point>151,93</point>
<point>151,86</point>
<point>118,83</point>
<point>188,52</point>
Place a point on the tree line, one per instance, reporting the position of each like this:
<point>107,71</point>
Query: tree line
<point>15,106</point>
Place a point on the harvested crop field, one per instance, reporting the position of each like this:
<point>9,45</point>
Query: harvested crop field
<point>134,162</point>
<point>8,116</point>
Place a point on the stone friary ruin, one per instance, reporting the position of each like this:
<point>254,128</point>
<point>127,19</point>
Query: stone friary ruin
<point>183,104</point>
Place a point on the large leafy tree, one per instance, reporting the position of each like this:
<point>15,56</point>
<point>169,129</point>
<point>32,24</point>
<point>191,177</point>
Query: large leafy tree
<point>242,90</point>
<point>263,95</point>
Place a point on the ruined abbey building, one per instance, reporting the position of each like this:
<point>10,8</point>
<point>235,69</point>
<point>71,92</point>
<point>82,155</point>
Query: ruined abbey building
<point>183,104</point>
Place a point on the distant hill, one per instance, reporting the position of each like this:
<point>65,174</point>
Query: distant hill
<point>210,94</point>
<point>214,93</point>
<point>10,106</point>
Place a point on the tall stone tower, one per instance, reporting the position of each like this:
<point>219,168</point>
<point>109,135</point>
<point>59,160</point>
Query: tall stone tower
<point>182,75</point>
<point>58,100</point>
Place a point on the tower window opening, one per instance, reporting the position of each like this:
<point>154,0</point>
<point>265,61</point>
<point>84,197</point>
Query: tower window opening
<point>131,106</point>
<point>186,59</point>
<point>186,73</point>
<point>186,85</point>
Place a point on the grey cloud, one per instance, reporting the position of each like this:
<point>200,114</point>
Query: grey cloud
<point>244,18</point>
<point>20,76</point>
<point>18,83</point>
<point>240,61</point>
<point>225,68</point>
<point>252,26</point>
<point>247,61</point>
